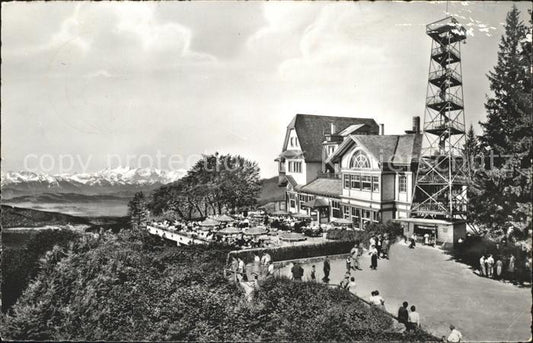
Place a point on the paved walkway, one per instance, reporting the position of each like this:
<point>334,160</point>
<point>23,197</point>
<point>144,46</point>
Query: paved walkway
<point>444,292</point>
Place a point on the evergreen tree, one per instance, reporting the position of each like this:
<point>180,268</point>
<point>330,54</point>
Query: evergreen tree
<point>137,210</point>
<point>500,198</point>
<point>509,107</point>
<point>471,148</point>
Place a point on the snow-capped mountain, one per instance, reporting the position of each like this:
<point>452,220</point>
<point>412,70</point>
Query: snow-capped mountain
<point>118,181</point>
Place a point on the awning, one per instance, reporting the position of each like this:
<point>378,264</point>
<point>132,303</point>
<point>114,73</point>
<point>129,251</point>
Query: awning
<point>291,154</point>
<point>316,203</point>
<point>341,221</point>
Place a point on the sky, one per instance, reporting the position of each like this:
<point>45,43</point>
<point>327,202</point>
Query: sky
<point>88,86</point>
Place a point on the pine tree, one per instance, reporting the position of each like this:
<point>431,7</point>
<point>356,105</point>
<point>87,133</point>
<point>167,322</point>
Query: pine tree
<point>471,144</point>
<point>500,198</point>
<point>137,210</point>
<point>509,106</point>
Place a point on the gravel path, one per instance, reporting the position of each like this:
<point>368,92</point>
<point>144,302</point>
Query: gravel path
<point>444,292</point>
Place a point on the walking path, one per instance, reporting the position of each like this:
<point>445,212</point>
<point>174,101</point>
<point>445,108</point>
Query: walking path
<point>443,291</point>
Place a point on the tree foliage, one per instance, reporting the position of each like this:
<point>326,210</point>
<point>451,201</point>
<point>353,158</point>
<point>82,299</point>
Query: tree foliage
<point>138,210</point>
<point>508,129</point>
<point>500,193</point>
<point>214,184</point>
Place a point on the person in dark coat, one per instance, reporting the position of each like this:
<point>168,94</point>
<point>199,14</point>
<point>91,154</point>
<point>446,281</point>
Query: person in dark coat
<point>403,314</point>
<point>297,272</point>
<point>327,269</point>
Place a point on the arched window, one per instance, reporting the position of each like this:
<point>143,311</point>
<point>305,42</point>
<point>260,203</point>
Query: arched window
<point>359,161</point>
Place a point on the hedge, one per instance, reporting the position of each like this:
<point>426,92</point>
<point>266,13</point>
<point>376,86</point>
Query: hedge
<point>297,251</point>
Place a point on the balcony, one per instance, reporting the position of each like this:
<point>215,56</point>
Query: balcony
<point>446,31</point>
<point>445,78</point>
<point>445,55</point>
<point>448,102</point>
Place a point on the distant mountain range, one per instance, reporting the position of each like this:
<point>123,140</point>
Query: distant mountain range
<point>119,182</point>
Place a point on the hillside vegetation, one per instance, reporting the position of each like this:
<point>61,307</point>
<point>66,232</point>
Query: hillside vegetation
<point>132,286</point>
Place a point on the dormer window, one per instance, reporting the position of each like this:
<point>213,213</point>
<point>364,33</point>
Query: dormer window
<point>359,161</point>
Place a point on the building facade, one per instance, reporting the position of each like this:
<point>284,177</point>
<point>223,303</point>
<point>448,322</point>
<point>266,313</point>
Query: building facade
<point>338,167</point>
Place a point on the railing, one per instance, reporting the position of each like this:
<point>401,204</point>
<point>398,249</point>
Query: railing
<point>444,125</point>
<point>445,49</point>
<point>439,99</point>
<point>322,175</point>
<point>447,24</point>
<point>176,236</point>
<point>448,73</point>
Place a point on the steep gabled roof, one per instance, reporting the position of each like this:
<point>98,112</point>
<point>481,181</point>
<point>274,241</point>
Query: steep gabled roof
<point>398,149</point>
<point>311,128</point>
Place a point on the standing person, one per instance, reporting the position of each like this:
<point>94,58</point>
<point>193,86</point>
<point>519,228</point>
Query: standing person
<point>297,272</point>
<point>403,314</point>
<point>372,241</point>
<point>379,242</point>
<point>327,269</point>
<point>490,266</point>
<point>455,336</point>
<point>270,270</point>
<point>385,247</point>
<point>352,285</point>
<point>373,258</point>
<point>499,268</point>
<point>412,240</point>
<point>312,275</point>
<point>234,268</point>
<point>511,268</point>
<point>349,264</point>
<point>482,269</point>
<point>426,238</point>
<point>241,270</point>
<point>414,319</point>
<point>257,263</point>
<point>265,259</point>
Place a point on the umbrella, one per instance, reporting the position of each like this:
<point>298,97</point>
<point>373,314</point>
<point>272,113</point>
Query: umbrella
<point>224,218</point>
<point>230,231</point>
<point>301,216</point>
<point>256,231</point>
<point>341,221</point>
<point>209,222</point>
<point>292,236</point>
<point>316,203</point>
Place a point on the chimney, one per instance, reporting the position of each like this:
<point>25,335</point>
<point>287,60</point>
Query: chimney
<point>333,128</point>
<point>381,129</point>
<point>416,124</point>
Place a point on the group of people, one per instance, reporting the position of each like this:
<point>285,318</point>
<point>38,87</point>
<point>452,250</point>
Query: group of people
<point>494,268</point>
<point>411,319</point>
<point>262,266</point>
